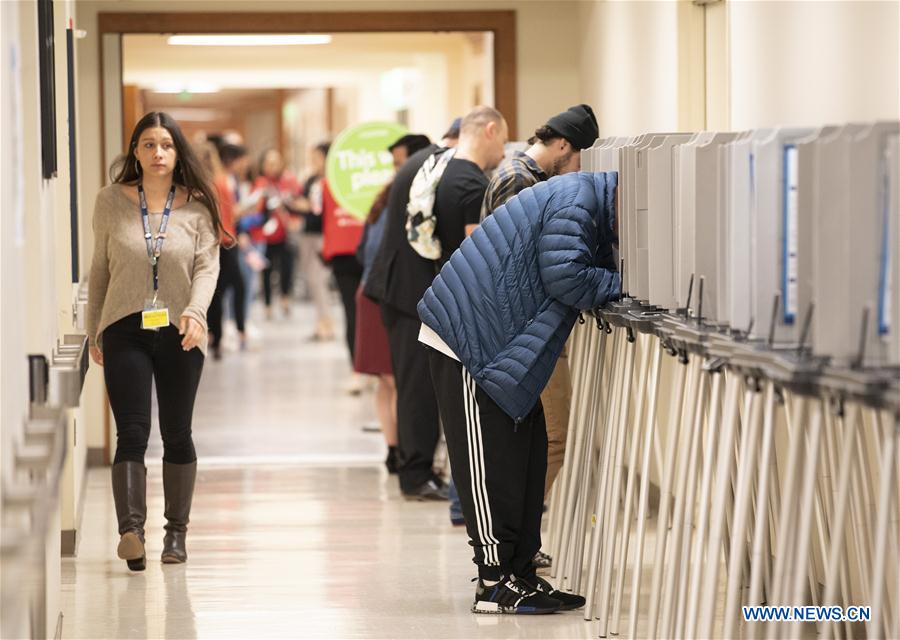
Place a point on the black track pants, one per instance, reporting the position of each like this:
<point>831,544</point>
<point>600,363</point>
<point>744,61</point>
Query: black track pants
<point>499,470</point>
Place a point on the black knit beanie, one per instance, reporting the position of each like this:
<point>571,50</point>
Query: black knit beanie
<point>577,125</point>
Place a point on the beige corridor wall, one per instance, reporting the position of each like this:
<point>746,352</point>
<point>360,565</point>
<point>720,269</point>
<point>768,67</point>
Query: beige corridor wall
<point>629,65</point>
<point>813,63</point>
<point>765,64</point>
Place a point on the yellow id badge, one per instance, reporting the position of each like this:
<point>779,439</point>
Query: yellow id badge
<point>155,316</point>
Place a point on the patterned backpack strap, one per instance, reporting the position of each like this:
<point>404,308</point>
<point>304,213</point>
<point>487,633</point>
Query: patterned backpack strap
<point>420,218</point>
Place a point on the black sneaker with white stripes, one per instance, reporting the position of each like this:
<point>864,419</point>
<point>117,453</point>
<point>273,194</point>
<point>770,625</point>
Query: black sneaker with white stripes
<point>568,601</point>
<point>512,596</point>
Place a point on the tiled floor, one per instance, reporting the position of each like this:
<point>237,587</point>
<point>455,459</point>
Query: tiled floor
<point>297,531</point>
<point>283,399</point>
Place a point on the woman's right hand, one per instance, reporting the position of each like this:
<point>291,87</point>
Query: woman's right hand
<point>97,355</point>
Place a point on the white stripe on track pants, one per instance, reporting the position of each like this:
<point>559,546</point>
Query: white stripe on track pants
<point>499,469</point>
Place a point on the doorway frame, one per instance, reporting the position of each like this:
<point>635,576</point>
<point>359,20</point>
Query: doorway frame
<point>502,24</point>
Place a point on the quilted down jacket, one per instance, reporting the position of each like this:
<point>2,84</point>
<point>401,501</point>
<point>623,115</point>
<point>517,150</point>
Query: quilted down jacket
<point>508,298</point>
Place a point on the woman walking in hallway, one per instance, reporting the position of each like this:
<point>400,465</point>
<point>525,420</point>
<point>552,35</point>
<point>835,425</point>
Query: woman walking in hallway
<point>153,274</point>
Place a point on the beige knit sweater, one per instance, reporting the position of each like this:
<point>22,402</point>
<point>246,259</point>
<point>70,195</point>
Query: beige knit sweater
<point>121,278</point>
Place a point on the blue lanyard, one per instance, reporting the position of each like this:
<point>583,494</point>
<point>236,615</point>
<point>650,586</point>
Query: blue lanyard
<point>153,252</point>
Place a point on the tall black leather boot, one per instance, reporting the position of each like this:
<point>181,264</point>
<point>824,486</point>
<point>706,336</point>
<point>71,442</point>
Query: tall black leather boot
<point>129,484</point>
<point>178,482</point>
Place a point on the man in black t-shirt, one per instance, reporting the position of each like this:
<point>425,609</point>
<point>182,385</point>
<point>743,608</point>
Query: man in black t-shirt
<point>460,192</point>
<point>400,277</point>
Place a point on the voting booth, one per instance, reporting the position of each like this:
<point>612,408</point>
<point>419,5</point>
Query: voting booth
<point>699,235</point>
<point>749,378</point>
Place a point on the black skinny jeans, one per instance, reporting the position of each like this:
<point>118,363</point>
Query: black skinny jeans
<point>133,358</point>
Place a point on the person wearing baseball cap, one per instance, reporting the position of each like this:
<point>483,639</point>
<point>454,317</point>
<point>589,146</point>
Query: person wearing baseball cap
<point>555,150</point>
<point>451,137</point>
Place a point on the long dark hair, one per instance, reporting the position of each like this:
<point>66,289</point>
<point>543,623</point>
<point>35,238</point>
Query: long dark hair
<point>189,171</point>
<point>380,203</point>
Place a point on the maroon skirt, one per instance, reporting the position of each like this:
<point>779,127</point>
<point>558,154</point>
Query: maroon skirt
<point>372,352</point>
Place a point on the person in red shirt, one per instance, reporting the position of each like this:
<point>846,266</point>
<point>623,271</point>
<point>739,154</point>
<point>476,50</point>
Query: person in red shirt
<point>342,232</point>
<point>279,188</point>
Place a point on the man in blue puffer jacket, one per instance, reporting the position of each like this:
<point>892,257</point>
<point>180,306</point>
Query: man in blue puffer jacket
<point>496,320</point>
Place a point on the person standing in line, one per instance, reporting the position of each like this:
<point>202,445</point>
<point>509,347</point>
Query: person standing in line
<point>313,269</point>
<point>451,137</point>
<point>555,150</point>
<point>229,267</point>
<point>394,271</point>
<point>372,353</point>
<point>401,275</point>
<point>405,146</point>
<point>153,274</point>
<point>279,188</point>
<point>495,321</point>
<point>342,235</point>
<point>449,140</point>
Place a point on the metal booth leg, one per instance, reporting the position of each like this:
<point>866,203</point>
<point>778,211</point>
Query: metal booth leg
<point>683,387</point>
<point>684,498</point>
<point>801,554</point>
<point>746,466</point>
<point>698,559</point>
<point>614,486</point>
<point>651,351</point>
<point>878,625</point>
<point>562,551</point>
<point>760,554</point>
<point>604,464</point>
<point>836,555</point>
<point>649,441</point>
<point>724,459</point>
<point>589,474</point>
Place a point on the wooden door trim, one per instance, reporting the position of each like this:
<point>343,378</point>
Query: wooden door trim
<point>501,23</point>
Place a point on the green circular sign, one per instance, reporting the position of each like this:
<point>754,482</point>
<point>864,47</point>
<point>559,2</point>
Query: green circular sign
<point>359,164</point>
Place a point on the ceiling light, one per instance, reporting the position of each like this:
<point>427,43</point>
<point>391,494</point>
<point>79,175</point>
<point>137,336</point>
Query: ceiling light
<point>195,115</point>
<point>191,87</point>
<point>238,40</point>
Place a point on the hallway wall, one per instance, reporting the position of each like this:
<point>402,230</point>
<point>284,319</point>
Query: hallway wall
<point>37,302</point>
<point>630,65</point>
<point>646,66</point>
<point>813,63</point>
